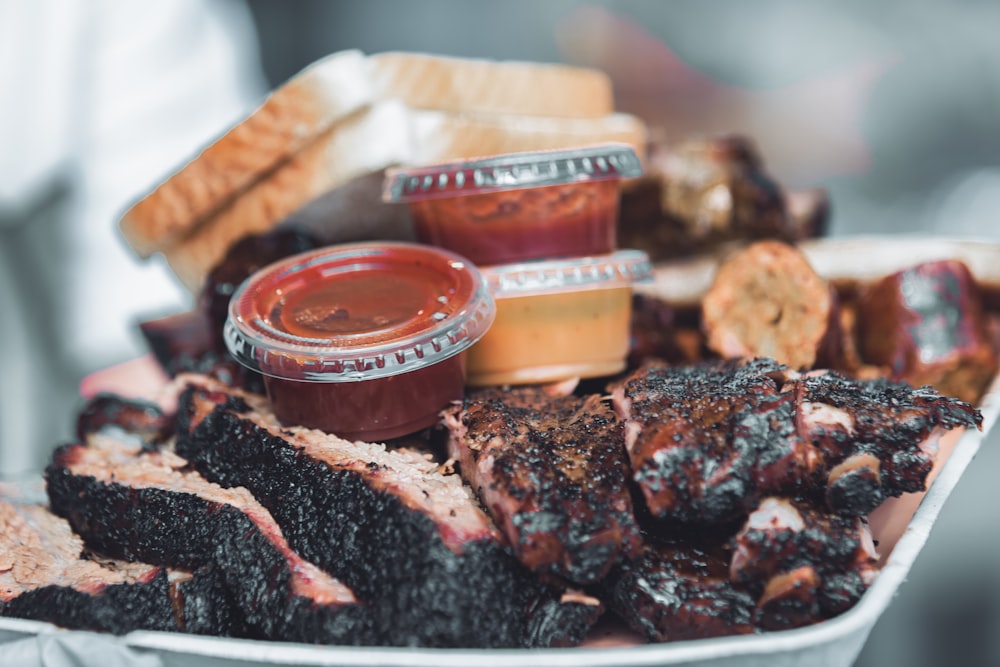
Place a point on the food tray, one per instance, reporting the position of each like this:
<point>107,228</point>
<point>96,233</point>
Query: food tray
<point>834,642</point>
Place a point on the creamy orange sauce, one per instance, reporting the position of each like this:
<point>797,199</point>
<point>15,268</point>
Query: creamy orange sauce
<point>551,337</point>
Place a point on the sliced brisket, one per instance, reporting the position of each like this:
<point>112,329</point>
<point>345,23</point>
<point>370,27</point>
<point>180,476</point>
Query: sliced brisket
<point>204,605</point>
<point>137,504</point>
<point>409,539</point>
<point>45,576</point>
<point>552,473</point>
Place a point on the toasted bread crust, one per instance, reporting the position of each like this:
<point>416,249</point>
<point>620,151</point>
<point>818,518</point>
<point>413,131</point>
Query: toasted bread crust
<point>424,81</point>
<point>288,120</point>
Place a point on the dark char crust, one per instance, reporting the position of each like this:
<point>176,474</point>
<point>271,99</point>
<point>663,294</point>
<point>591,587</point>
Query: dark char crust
<point>891,421</point>
<point>805,562</point>
<point>927,325</point>
<point>713,437</point>
<point>203,605</point>
<point>50,576</point>
<point>117,608</point>
<point>141,418</point>
<point>557,485</point>
<point>676,592</point>
<point>180,529</point>
<point>421,591</point>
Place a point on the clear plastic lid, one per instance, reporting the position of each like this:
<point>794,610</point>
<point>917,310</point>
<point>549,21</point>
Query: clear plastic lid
<point>511,171</point>
<point>619,269</point>
<point>358,311</point>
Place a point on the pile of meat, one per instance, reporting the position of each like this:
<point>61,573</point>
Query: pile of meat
<point>720,486</point>
<point>689,501</point>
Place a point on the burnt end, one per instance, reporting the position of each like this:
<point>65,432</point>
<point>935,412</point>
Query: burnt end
<point>178,340</point>
<point>677,592</point>
<point>843,590</point>
<point>855,492</point>
<point>185,343</point>
<point>116,608</point>
<point>552,473</point>
<point>246,256</point>
<point>804,564</point>
<point>561,622</point>
<point>659,332</point>
<point>790,600</point>
<point>927,325</point>
<point>423,592</point>
<point>180,529</point>
<point>144,419</point>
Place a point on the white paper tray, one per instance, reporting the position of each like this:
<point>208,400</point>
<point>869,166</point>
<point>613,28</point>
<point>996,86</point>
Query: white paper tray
<point>834,642</point>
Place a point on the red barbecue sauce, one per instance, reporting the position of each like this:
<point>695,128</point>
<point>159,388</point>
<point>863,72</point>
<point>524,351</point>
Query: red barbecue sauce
<point>363,340</point>
<point>576,219</point>
<point>514,207</point>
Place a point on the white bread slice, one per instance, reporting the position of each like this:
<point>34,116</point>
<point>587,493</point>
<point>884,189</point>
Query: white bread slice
<point>329,90</point>
<point>444,83</point>
<point>367,141</point>
<point>385,135</point>
<point>291,117</point>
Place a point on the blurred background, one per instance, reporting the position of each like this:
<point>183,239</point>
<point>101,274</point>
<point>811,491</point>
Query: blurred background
<point>894,107</point>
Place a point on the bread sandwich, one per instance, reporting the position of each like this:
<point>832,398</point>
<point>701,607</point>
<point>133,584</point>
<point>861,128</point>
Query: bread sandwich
<point>348,116</point>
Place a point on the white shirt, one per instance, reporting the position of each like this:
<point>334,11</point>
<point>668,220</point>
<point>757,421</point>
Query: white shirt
<point>112,95</point>
<point>107,97</point>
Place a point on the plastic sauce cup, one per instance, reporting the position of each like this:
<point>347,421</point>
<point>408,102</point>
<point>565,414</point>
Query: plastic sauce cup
<point>518,206</point>
<point>366,341</point>
<point>558,319</point>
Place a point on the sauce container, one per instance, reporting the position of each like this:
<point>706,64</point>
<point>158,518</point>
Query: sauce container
<point>364,340</point>
<point>558,319</point>
<point>518,206</point>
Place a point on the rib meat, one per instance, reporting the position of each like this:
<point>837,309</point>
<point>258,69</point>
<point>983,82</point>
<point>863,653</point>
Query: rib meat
<point>709,441</point>
<point>144,505</point>
<point>878,437</point>
<point>409,539</point>
<point>552,473</point>
<point>803,563</point>
<point>703,192</point>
